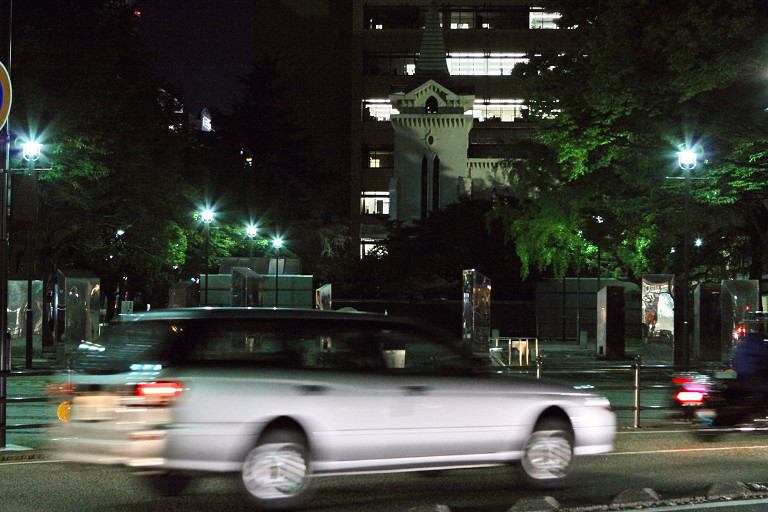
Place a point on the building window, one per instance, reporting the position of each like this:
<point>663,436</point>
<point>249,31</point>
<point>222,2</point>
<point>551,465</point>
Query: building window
<point>374,203</point>
<point>539,18</point>
<point>389,64</point>
<point>505,110</point>
<point>380,158</point>
<point>484,64</point>
<point>367,245</point>
<point>431,105</point>
<point>377,110</point>
<point>391,17</point>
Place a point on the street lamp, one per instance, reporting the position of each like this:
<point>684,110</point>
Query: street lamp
<point>251,232</point>
<point>687,161</point>
<point>31,151</point>
<point>207,217</point>
<point>277,243</point>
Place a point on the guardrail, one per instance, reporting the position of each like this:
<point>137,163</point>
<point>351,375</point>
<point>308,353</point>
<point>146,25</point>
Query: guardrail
<point>5,401</point>
<point>640,381</point>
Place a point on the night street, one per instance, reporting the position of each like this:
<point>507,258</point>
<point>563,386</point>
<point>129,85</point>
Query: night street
<point>669,462</point>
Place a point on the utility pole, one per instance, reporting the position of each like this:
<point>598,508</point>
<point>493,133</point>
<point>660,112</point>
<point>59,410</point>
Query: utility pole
<point>5,137</point>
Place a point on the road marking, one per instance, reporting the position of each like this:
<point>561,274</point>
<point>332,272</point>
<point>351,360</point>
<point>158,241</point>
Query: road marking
<point>680,450</point>
<point>17,462</point>
<point>719,505</point>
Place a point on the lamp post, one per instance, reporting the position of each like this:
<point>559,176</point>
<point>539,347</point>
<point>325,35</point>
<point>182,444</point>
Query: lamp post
<point>687,161</point>
<point>31,151</point>
<point>251,232</point>
<point>277,243</point>
<point>207,217</point>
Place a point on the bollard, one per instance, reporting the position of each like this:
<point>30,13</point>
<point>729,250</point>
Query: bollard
<point>5,366</point>
<point>636,404</point>
<point>539,364</point>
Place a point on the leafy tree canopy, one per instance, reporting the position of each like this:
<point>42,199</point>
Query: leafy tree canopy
<point>83,87</point>
<point>636,83</point>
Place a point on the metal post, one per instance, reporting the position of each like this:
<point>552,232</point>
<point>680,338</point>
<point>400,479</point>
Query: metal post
<point>207,245</point>
<point>685,342</point>
<point>30,326</point>
<point>277,268</point>
<point>539,364</point>
<point>6,8</point>
<point>636,403</point>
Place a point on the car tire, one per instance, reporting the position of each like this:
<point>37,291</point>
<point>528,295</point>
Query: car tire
<point>548,454</point>
<point>167,483</point>
<point>277,472</point>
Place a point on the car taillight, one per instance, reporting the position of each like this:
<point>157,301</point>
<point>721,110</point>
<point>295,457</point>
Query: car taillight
<point>159,392</point>
<point>60,388</point>
<point>682,380</point>
<point>690,397</point>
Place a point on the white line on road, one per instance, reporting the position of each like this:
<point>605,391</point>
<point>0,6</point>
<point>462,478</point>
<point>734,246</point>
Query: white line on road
<point>680,450</point>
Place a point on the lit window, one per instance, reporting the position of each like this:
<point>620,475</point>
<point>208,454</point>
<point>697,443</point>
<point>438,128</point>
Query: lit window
<point>380,110</point>
<point>381,158</point>
<point>367,245</point>
<point>540,19</point>
<point>505,110</point>
<point>484,64</point>
<point>374,203</point>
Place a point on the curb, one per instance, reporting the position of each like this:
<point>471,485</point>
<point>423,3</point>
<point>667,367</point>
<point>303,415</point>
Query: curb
<point>23,455</point>
<point>634,499</point>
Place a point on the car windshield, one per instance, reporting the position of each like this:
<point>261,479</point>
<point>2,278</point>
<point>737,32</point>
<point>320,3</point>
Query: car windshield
<point>122,345</point>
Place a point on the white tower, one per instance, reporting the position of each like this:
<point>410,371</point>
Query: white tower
<point>431,134</point>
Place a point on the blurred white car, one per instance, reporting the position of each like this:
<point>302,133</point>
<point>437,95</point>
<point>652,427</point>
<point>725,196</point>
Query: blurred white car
<point>278,396</point>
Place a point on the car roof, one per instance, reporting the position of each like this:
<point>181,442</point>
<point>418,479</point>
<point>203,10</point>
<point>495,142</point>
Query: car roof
<point>246,313</point>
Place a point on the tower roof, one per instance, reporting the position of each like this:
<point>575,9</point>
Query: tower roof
<point>431,62</point>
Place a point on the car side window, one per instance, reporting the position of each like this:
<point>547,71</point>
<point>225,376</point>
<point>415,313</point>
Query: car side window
<point>313,347</point>
<point>411,352</point>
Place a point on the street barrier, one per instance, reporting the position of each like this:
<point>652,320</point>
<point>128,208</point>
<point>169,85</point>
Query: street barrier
<point>5,401</point>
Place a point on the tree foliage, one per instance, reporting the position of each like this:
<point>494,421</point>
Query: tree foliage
<point>637,82</point>
<point>83,87</point>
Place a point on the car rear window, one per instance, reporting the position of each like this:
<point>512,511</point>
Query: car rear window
<point>123,346</point>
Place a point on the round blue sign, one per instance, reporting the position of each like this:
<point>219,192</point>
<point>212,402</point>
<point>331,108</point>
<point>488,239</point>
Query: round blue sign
<point>5,94</point>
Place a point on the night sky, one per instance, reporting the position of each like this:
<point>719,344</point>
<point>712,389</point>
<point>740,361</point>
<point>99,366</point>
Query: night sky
<point>204,47</point>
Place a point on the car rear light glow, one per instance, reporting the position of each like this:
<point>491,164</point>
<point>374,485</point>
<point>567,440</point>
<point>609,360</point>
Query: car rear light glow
<point>690,397</point>
<point>159,390</point>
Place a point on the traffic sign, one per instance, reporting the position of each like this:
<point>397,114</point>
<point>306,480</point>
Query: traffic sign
<point>5,94</point>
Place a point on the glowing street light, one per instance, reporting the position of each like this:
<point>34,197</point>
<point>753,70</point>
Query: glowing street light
<point>31,151</point>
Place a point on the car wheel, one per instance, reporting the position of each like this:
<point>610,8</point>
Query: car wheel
<point>167,483</point>
<point>548,454</point>
<point>277,472</point>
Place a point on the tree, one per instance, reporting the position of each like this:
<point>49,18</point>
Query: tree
<point>637,82</point>
<point>83,87</point>
<point>426,258</point>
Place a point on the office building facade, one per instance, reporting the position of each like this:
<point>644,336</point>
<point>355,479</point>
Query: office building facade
<point>415,100</point>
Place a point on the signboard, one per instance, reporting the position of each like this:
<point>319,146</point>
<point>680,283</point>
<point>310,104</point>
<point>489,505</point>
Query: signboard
<point>5,94</point>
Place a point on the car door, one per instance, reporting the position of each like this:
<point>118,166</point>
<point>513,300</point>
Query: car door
<point>326,377</point>
<point>440,407</point>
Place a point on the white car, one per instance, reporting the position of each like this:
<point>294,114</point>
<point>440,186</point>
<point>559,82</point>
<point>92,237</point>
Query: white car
<point>278,396</point>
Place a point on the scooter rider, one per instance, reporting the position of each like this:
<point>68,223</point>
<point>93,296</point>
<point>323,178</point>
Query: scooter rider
<point>750,361</point>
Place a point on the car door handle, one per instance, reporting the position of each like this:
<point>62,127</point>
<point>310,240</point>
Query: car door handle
<point>416,390</point>
<point>313,389</point>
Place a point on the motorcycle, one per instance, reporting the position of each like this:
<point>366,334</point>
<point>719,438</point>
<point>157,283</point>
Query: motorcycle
<point>720,403</point>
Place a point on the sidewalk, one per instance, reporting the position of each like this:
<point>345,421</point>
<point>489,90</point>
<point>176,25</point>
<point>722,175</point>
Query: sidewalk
<point>28,444</point>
